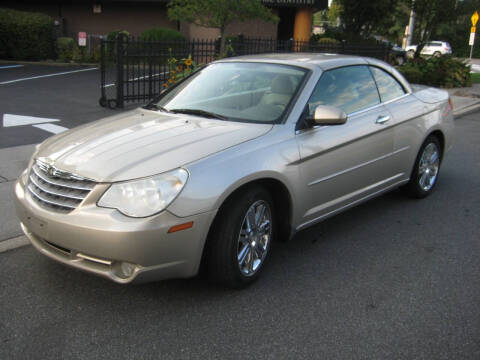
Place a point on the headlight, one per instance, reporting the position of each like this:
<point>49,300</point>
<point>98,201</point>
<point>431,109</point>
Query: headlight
<point>145,197</point>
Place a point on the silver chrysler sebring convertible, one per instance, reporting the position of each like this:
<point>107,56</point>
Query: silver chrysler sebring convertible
<point>244,152</point>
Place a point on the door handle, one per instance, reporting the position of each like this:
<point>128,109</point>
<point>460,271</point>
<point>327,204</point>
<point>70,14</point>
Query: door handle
<point>382,119</point>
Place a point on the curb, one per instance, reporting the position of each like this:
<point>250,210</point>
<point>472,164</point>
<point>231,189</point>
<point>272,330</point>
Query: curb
<point>14,243</point>
<point>466,110</point>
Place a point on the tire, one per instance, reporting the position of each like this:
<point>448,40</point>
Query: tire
<point>102,102</point>
<point>236,251</point>
<point>112,104</point>
<point>425,172</point>
<point>410,54</point>
<point>437,54</point>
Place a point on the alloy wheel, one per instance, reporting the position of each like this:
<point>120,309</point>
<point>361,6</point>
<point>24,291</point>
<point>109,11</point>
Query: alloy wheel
<point>428,166</point>
<point>254,238</point>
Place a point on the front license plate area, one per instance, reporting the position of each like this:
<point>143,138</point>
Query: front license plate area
<point>36,226</point>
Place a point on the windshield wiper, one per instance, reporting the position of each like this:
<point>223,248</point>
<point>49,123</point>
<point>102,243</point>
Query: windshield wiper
<point>153,106</point>
<point>199,112</point>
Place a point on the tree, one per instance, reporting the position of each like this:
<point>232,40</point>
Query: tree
<point>218,13</point>
<point>365,16</point>
<point>428,15</point>
<point>334,12</point>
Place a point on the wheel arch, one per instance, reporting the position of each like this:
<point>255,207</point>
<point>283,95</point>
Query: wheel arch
<point>283,203</point>
<point>441,138</point>
<point>281,195</point>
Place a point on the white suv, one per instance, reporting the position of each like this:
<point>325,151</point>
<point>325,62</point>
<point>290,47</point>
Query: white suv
<point>435,48</point>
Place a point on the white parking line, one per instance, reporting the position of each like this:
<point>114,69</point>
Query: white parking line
<point>10,120</point>
<point>138,78</point>
<point>10,66</point>
<point>21,120</point>
<point>47,75</point>
<point>56,129</point>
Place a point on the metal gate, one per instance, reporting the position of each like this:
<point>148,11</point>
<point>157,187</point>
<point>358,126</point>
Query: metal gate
<point>135,71</point>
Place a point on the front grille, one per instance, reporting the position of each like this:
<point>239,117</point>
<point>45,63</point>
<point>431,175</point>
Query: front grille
<point>57,190</point>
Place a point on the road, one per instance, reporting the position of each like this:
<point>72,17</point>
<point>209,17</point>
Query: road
<point>394,278</point>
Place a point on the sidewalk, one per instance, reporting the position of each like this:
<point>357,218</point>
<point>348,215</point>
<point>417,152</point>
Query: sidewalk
<point>12,162</point>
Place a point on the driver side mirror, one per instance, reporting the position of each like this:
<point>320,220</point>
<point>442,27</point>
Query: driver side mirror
<point>327,115</point>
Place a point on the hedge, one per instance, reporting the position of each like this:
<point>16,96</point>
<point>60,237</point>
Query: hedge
<point>26,35</point>
<point>443,71</point>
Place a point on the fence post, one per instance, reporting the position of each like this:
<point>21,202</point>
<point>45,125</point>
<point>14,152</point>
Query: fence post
<point>342,51</point>
<point>386,53</point>
<point>119,82</point>
<point>103,95</point>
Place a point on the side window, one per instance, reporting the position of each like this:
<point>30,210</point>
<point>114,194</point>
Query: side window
<point>388,87</point>
<point>350,88</point>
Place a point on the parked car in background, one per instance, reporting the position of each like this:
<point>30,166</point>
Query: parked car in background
<point>399,54</point>
<point>396,52</point>
<point>432,48</point>
<point>243,152</point>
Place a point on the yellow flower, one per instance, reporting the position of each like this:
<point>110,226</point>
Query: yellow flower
<point>188,62</point>
<point>170,81</point>
<point>179,68</point>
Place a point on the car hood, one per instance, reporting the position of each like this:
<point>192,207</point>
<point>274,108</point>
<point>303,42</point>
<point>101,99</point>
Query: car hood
<point>141,143</point>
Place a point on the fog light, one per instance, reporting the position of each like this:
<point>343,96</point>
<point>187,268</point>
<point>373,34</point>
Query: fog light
<point>127,269</point>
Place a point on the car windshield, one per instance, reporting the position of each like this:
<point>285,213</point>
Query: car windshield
<point>240,91</point>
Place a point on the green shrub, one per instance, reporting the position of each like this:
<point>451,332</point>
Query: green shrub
<point>444,71</point>
<point>412,74</point>
<point>65,48</point>
<point>26,35</point>
<point>161,34</point>
<point>111,37</point>
<point>327,40</point>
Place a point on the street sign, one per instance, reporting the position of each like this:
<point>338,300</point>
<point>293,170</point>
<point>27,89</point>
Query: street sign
<point>475,18</point>
<point>82,38</point>
<point>473,29</point>
<point>472,39</point>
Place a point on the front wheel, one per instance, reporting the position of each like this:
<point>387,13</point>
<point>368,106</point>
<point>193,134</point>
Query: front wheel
<point>425,172</point>
<point>241,238</point>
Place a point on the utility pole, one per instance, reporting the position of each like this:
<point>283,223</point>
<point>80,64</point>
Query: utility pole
<point>411,25</point>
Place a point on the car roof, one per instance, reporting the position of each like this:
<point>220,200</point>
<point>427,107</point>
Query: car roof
<point>322,61</point>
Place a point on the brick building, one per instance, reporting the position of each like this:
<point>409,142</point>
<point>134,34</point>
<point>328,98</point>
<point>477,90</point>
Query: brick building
<point>98,17</point>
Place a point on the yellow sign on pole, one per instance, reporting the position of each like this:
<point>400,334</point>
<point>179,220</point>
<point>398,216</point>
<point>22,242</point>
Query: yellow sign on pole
<point>475,18</point>
<point>473,29</point>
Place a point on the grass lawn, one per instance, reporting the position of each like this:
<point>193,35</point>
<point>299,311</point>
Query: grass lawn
<point>475,78</point>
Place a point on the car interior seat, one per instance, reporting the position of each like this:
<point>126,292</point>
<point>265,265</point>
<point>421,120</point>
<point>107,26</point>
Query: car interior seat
<point>280,93</point>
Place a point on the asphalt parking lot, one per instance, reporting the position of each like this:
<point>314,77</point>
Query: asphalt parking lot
<point>69,94</point>
<point>394,278</point>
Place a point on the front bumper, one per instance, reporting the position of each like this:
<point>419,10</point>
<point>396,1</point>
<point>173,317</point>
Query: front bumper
<point>107,243</point>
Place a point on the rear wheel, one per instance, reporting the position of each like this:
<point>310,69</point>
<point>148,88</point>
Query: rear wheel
<point>410,54</point>
<point>427,166</point>
<point>437,54</point>
<point>241,238</point>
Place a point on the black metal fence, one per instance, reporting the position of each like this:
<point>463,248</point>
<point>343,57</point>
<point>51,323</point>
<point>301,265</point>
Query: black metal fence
<point>137,71</point>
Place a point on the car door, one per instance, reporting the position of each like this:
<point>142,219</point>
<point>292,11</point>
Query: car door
<point>428,49</point>
<point>404,108</point>
<point>342,164</point>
